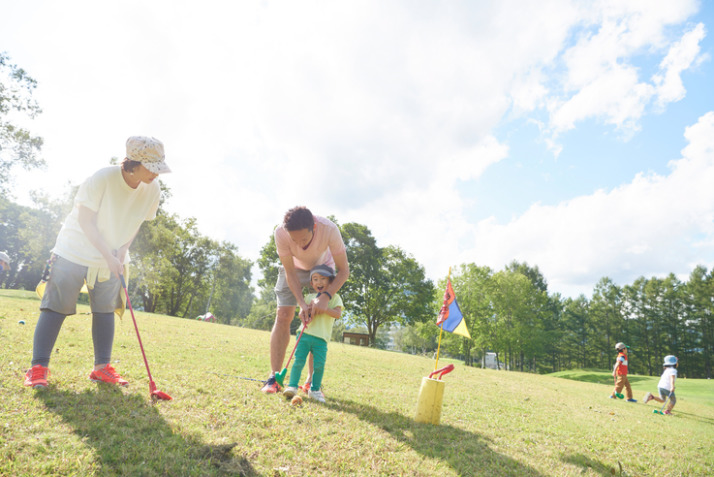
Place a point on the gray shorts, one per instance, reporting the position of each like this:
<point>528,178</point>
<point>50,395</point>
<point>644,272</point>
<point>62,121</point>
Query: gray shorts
<point>65,283</point>
<point>282,291</point>
<point>664,394</point>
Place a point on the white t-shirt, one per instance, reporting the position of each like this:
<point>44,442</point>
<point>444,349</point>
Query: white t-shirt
<point>326,243</point>
<point>120,212</point>
<point>665,382</point>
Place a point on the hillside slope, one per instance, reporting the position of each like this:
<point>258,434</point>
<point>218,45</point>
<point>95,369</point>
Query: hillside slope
<point>493,423</point>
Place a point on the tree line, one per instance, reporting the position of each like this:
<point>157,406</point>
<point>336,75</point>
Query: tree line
<point>511,313</point>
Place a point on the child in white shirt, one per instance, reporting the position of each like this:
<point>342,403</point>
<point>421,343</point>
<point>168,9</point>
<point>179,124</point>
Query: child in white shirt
<point>666,384</point>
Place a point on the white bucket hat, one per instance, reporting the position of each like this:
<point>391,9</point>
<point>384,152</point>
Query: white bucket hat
<point>149,151</point>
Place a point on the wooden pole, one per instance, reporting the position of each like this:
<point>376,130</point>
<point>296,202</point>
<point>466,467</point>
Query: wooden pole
<point>441,328</point>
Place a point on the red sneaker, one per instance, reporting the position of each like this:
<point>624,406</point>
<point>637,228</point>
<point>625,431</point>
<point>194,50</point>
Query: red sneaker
<point>305,387</point>
<point>108,374</point>
<point>271,386</point>
<point>36,376</point>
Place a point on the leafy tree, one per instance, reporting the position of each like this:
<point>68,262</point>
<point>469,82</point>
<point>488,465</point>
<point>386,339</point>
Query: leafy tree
<point>673,316</point>
<point>152,254</point>
<point>578,338</point>
<point>607,317</point>
<point>532,273</point>
<point>269,264</point>
<point>28,234</point>
<point>520,305</point>
<point>700,298</point>
<point>18,147</point>
<point>396,292</point>
<point>364,257</point>
<point>473,286</point>
<point>261,315</point>
<point>232,296</point>
<point>178,271</point>
<point>419,338</point>
<point>553,323</point>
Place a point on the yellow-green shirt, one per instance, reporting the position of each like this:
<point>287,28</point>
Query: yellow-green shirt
<point>321,325</point>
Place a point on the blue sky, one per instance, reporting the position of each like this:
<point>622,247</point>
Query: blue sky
<point>575,136</point>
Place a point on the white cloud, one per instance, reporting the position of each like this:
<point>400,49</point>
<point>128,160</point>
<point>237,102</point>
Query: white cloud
<point>680,57</point>
<point>382,113</point>
<point>647,224</point>
<point>601,77</point>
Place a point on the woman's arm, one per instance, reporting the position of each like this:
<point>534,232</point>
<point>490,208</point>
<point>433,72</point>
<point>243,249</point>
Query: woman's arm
<point>88,223</point>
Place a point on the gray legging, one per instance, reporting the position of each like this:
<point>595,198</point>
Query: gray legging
<point>48,328</point>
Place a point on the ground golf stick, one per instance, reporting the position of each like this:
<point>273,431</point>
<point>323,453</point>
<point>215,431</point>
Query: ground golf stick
<point>280,377</point>
<point>241,377</point>
<point>153,392</point>
<point>442,371</point>
<point>661,411</point>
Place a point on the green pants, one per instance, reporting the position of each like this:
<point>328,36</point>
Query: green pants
<point>318,347</point>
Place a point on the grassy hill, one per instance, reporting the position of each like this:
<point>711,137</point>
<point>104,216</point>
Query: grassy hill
<point>493,423</point>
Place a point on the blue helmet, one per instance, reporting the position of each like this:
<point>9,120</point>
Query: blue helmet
<point>670,360</point>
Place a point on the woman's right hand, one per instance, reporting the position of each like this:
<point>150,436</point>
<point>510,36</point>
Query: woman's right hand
<point>115,266</point>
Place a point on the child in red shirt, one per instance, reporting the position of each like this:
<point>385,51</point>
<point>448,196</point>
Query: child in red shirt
<point>620,373</point>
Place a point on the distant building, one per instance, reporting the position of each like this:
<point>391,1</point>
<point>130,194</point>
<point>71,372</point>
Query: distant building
<point>489,361</point>
<point>359,339</point>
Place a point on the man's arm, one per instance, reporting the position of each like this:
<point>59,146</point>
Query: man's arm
<point>335,312</point>
<point>343,273</point>
<point>295,287</point>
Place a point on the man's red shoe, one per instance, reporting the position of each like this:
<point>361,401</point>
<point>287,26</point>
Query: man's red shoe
<point>271,386</point>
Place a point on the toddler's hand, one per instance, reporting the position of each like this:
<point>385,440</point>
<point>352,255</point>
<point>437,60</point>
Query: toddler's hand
<point>307,320</point>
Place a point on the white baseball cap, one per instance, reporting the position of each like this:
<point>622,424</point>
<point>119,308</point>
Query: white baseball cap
<point>149,151</point>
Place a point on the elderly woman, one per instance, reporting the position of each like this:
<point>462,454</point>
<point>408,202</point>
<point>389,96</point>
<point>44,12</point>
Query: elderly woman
<point>91,249</point>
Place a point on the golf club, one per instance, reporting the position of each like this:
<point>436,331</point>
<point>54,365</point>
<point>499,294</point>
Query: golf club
<point>661,410</point>
<point>153,392</point>
<point>280,377</point>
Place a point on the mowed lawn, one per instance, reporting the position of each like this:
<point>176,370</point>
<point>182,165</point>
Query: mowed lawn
<point>493,423</point>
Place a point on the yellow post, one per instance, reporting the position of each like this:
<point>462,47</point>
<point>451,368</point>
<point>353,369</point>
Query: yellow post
<point>431,397</point>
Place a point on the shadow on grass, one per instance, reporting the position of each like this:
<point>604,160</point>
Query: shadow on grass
<point>693,417</point>
<point>130,437</point>
<point>465,452</point>
<point>599,378</point>
<point>588,463</point>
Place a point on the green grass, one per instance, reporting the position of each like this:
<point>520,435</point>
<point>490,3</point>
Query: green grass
<point>493,423</point>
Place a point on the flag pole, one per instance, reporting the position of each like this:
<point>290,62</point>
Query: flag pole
<point>441,329</point>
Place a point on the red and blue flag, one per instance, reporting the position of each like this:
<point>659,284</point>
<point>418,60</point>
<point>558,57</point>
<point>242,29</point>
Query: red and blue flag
<point>450,317</point>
